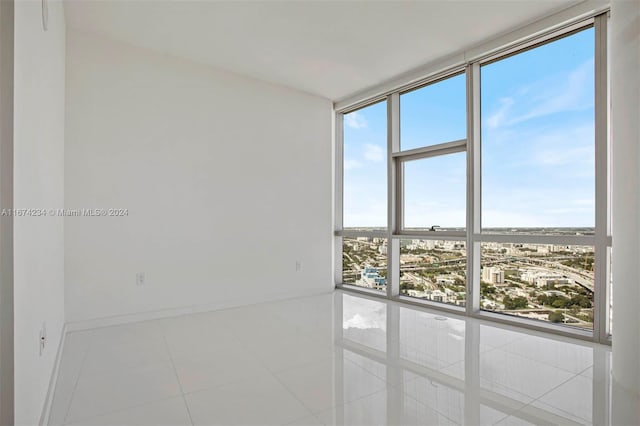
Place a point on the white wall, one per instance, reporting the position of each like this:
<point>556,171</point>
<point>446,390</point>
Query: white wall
<point>227,181</point>
<point>38,183</point>
<point>625,134</point>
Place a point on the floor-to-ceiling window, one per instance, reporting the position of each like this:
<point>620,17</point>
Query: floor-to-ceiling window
<point>364,212</point>
<point>484,189</point>
<point>539,181</point>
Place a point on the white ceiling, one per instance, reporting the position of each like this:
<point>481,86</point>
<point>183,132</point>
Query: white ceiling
<point>332,49</point>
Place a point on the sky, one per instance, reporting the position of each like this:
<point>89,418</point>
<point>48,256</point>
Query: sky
<point>537,136</point>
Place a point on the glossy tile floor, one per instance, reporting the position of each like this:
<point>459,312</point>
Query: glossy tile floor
<point>338,358</point>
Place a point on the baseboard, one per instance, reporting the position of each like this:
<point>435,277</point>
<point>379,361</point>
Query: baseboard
<point>175,312</point>
<point>48,402</point>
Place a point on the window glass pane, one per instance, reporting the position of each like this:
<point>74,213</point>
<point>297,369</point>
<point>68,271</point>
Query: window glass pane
<point>364,262</point>
<point>539,281</point>
<point>435,193</point>
<point>365,168</point>
<point>434,270</point>
<point>434,114</point>
<point>538,151</point>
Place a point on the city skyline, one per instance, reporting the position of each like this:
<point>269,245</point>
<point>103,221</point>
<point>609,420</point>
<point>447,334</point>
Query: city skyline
<point>547,282</point>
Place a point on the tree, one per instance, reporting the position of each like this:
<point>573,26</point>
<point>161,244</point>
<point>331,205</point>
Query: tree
<point>560,302</point>
<point>486,288</point>
<point>581,301</point>
<point>515,303</point>
<point>556,317</point>
<point>406,286</point>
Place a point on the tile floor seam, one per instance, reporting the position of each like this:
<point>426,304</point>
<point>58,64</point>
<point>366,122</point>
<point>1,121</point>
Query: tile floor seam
<point>295,422</point>
<point>548,392</point>
<point>75,385</point>
<point>537,361</point>
<point>408,395</point>
<point>175,372</point>
<point>528,358</point>
<point>511,412</point>
<point>402,393</point>
<point>294,395</point>
<point>348,402</point>
<point>222,385</point>
<point>122,409</point>
<point>255,354</point>
<point>573,415</point>
<point>503,418</point>
<point>581,373</point>
<point>129,407</point>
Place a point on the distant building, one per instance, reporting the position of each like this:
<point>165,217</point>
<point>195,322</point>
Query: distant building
<point>493,275</point>
<point>370,278</point>
<point>383,249</point>
<point>517,292</point>
<point>445,279</point>
<point>421,244</point>
<point>547,280</point>
<point>453,245</point>
<point>437,296</point>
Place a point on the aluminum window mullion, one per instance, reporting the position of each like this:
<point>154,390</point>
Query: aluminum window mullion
<point>399,196</point>
<point>338,202</point>
<point>461,144</point>
<point>437,236</point>
<point>573,240</point>
<point>600,294</point>
<point>393,145</point>
<point>473,188</point>
<point>549,37</point>
<point>431,153</point>
<point>354,233</point>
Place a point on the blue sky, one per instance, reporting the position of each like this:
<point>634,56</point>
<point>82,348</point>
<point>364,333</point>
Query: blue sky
<point>537,145</point>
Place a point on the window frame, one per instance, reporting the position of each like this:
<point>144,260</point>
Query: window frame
<point>474,235</point>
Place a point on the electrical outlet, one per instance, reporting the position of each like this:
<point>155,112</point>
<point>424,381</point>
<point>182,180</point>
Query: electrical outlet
<point>140,278</point>
<point>298,265</point>
<point>42,339</point>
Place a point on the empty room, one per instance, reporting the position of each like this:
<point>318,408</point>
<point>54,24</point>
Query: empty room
<point>313,212</point>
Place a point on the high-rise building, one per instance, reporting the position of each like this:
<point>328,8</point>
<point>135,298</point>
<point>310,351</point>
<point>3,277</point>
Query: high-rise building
<point>493,275</point>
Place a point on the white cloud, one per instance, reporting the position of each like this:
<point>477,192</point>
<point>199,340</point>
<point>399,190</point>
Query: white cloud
<point>355,120</point>
<point>498,118</point>
<point>360,322</point>
<point>569,95</point>
<point>373,153</point>
<point>568,92</point>
<point>352,164</point>
<point>565,146</point>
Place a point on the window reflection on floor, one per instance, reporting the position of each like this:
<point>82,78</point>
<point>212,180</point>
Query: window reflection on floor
<point>445,370</point>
